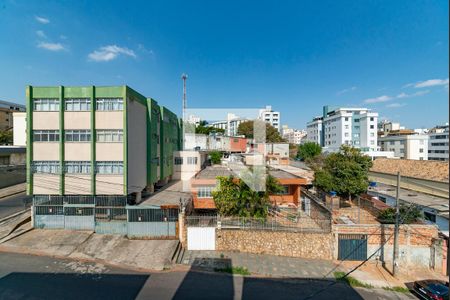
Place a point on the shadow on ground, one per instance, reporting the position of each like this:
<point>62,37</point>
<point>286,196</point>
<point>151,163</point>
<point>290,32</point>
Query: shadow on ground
<point>201,282</point>
<point>70,286</point>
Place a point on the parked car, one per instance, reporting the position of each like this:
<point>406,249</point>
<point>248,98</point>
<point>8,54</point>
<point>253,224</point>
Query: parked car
<point>431,289</point>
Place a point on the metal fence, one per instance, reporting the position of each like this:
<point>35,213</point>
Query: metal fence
<point>271,223</point>
<point>106,215</point>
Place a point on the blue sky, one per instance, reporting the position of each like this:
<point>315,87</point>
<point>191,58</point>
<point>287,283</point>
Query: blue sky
<point>391,56</point>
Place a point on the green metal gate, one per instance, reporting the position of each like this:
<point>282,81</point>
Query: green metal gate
<point>352,247</point>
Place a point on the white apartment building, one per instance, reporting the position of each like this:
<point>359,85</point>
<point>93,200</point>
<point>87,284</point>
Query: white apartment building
<point>314,130</point>
<point>438,143</point>
<point>356,127</point>
<point>192,119</point>
<point>230,125</point>
<point>293,136</point>
<point>271,117</point>
<point>405,146</point>
<point>19,128</point>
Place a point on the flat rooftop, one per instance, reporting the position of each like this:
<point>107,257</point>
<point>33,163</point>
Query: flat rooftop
<point>212,172</point>
<point>437,203</point>
<point>170,194</point>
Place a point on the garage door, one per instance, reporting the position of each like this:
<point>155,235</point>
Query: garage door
<point>352,247</point>
<point>201,238</point>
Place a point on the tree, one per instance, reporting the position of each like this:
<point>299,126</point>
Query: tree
<point>272,134</point>
<point>345,172</point>
<point>215,157</point>
<point>204,129</point>
<point>293,150</point>
<point>407,215</point>
<point>308,151</point>
<point>235,198</point>
<point>6,137</point>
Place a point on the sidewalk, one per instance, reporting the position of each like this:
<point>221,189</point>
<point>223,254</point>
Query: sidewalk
<point>12,190</point>
<point>117,250</point>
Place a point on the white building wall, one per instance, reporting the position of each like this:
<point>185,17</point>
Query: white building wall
<point>438,145</point>
<point>19,129</point>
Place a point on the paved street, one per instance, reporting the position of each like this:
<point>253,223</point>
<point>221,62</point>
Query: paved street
<point>40,277</point>
<point>12,204</point>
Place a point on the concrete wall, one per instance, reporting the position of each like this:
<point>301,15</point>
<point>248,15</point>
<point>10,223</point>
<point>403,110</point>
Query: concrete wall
<point>77,151</point>
<point>137,146</point>
<point>43,120</point>
<point>109,152</point>
<point>45,184</point>
<point>77,184</point>
<point>305,245</point>
<point>109,184</point>
<point>109,120</point>
<point>46,151</point>
<point>77,120</point>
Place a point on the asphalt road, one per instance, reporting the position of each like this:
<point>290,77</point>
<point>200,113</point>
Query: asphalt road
<point>38,277</point>
<point>12,204</point>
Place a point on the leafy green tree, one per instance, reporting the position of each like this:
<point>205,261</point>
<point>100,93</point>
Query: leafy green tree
<point>235,198</point>
<point>308,151</point>
<point>6,137</point>
<point>215,157</point>
<point>345,172</point>
<point>272,134</point>
<point>407,215</point>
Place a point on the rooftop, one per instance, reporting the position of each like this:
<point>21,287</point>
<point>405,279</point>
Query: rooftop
<point>169,195</point>
<point>421,199</point>
<point>422,169</point>
<point>213,172</point>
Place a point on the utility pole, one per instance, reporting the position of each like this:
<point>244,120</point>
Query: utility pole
<point>184,77</point>
<point>397,219</point>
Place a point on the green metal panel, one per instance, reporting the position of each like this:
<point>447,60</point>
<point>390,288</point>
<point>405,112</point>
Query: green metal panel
<point>46,92</point>
<point>77,92</point>
<point>93,141</point>
<point>169,141</point>
<point>153,118</point>
<point>109,91</point>
<point>29,143</point>
<point>61,140</point>
<point>125,140</point>
<point>352,247</point>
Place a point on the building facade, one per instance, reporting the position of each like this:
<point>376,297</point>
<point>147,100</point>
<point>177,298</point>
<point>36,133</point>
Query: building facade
<point>356,127</point>
<point>6,113</point>
<point>272,117</point>
<point>97,141</point>
<point>405,146</point>
<point>293,136</point>
<point>438,143</point>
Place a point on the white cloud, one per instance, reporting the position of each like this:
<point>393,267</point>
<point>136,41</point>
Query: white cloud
<point>110,52</point>
<point>51,46</point>
<point>383,98</point>
<point>42,20</point>
<point>41,34</point>
<point>351,89</point>
<point>405,95</point>
<point>428,83</point>
<point>63,37</point>
<point>395,105</point>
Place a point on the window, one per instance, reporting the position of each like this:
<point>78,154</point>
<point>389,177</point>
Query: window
<point>178,160</point>
<point>285,190</point>
<point>109,136</point>
<point>371,118</point>
<point>109,167</point>
<point>77,135</point>
<point>346,126</point>
<point>46,135</point>
<point>402,142</point>
<point>77,104</point>
<point>77,167</point>
<point>49,167</point>
<point>356,127</point>
<point>346,118</point>
<point>356,120</point>
<point>346,134</point>
<point>192,160</point>
<point>421,150</point>
<point>109,104</point>
<point>392,143</point>
<point>402,150</point>
<point>372,126</point>
<point>205,191</point>
<point>372,142</point>
<point>372,134</point>
<point>46,104</point>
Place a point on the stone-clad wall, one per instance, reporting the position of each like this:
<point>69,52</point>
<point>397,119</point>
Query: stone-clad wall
<point>305,245</point>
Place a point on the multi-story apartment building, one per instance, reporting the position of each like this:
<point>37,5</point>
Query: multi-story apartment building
<point>272,117</point>
<point>97,141</point>
<point>293,136</point>
<point>405,144</point>
<point>230,125</point>
<point>352,126</point>
<point>438,143</point>
<point>6,113</point>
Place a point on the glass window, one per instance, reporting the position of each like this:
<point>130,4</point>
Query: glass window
<point>109,104</point>
<point>77,104</point>
<point>285,190</point>
<point>46,135</point>
<point>77,135</point>
<point>77,167</point>
<point>109,167</point>
<point>205,191</point>
<point>178,160</point>
<point>45,104</point>
<point>109,136</point>
<point>192,160</point>
<point>49,167</point>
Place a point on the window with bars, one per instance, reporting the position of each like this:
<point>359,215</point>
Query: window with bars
<point>109,136</point>
<point>205,191</point>
<point>178,160</point>
<point>77,104</point>
<point>77,135</point>
<point>109,167</point>
<point>45,104</point>
<point>45,135</point>
<point>77,167</point>
<point>109,104</point>
<point>49,167</point>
